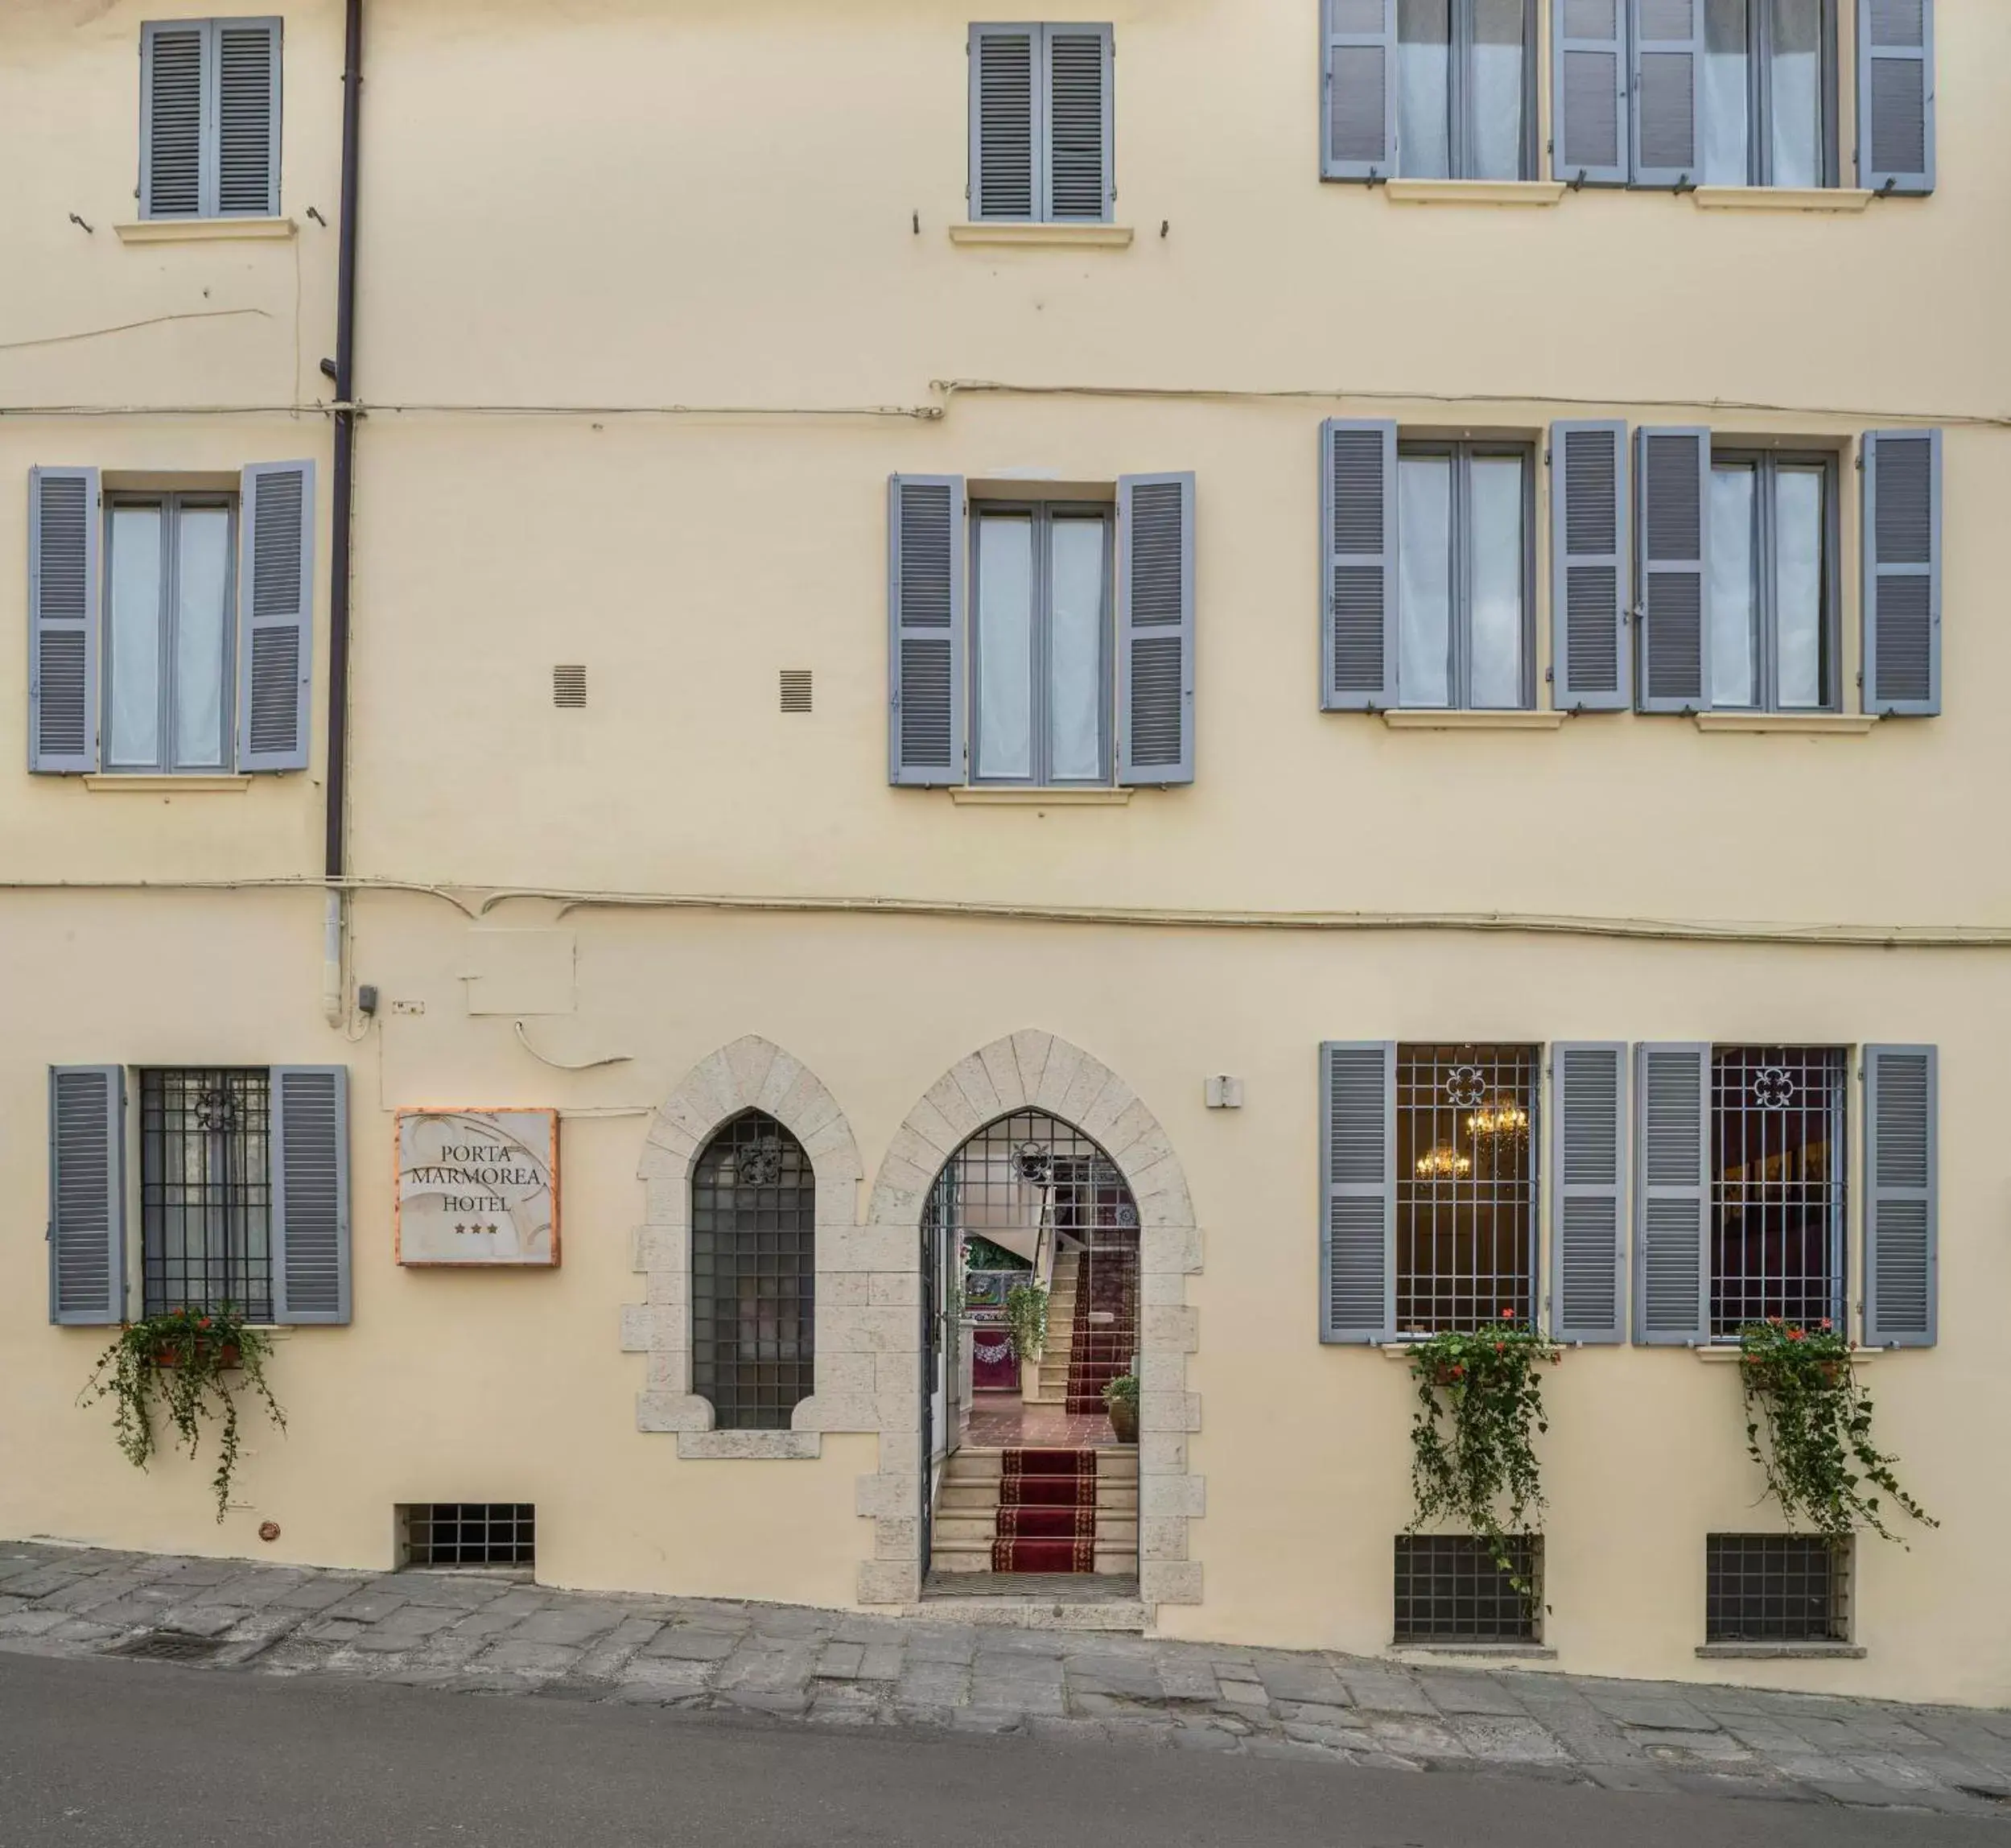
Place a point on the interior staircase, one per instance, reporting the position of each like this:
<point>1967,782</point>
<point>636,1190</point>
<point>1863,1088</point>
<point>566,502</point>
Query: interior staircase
<point>983,1519</point>
<point>1104,1303</point>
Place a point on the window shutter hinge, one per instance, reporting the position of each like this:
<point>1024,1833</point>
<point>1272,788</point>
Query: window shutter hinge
<point>1549,677</point>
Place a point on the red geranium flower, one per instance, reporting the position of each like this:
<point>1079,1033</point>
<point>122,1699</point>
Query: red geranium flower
<point>1508,1315</point>
<point>1797,1334</point>
<point>1827,1324</point>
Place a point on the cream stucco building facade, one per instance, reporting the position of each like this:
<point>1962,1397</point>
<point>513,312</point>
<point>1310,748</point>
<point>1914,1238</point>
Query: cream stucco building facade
<point>651,303</point>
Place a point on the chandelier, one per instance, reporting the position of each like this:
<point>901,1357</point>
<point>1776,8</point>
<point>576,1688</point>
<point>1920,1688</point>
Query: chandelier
<point>1501,1120</point>
<point>1443,1163</point>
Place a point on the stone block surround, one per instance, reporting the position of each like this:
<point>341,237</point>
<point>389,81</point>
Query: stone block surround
<point>868,1334</point>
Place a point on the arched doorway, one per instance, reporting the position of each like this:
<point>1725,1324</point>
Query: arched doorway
<point>1022,1470</point>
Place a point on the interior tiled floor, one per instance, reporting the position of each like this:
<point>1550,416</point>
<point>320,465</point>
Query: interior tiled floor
<point>1005,1421</point>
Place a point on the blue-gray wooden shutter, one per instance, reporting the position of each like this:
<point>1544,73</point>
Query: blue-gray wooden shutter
<point>1672,1194</point>
<point>247,56</point>
<point>1590,588</point>
<point>1903,1175</point>
<point>1668,92</point>
<point>1155,629</point>
<point>64,627</point>
<point>1896,95</point>
<point>87,1194</point>
<point>926,573</point>
<point>1672,532</point>
<point>1902,540</point>
<point>1079,166</point>
<point>310,1193</point>
<point>1589,1212</point>
<point>1357,628</point>
<point>1007,122</point>
<point>175,162</point>
<point>1590,81</point>
<point>275,616</point>
<point>1357,1190</point>
<point>1358,135</point>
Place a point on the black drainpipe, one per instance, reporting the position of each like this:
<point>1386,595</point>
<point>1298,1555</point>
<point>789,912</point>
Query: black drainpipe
<point>345,443</point>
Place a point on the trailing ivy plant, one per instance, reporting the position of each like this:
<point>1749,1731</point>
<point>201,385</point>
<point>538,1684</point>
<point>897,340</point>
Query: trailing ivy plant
<point>183,1361</point>
<point>1808,1427</point>
<point>1026,1308</point>
<point>1473,1460</point>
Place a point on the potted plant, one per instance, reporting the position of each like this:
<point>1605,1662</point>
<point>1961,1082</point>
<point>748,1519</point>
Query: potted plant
<point>1473,1457</point>
<point>1026,1312</point>
<point>1808,1427</point>
<point>1120,1399</point>
<point>185,1360</point>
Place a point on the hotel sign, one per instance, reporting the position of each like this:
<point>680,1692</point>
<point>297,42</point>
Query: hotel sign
<point>478,1187</point>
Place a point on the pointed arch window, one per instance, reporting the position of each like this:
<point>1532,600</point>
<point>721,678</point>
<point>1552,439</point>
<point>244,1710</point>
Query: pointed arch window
<point>753,1274</point>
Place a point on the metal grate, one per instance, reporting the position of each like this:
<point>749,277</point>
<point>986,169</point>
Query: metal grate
<point>1028,1176</point>
<point>797,690</point>
<point>1778,1184</point>
<point>206,1191</point>
<point>569,686</point>
<point>1776,1588</point>
<point>1466,1136</point>
<point>753,1274</point>
<point>1450,1590</point>
<point>470,1533</point>
<point>168,1646</point>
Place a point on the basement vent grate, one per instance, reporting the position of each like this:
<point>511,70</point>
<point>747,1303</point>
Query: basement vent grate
<point>169,1646</point>
<point>795,689</point>
<point>470,1533</point>
<point>569,686</point>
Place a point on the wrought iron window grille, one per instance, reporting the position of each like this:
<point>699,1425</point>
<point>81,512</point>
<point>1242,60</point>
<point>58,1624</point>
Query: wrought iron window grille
<point>206,1191</point>
<point>469,1533</point>
<point>1450,1588</point>
<point>1776,1588</point>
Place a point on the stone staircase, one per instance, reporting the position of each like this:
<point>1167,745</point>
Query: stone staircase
<point>967,1520</point>
<point>1051,1371</point>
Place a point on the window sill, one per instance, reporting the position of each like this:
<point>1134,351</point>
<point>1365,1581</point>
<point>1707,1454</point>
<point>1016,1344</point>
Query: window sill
<point>1780,199</point>
<point>140,785</point>
<point>1043,237</point>
<point>1781,1652</point>
<point>775,1446</point>
<point>1727,1353</point>
<point>1492,1652</point>
<point>205,230</point>
<point>1811,725</point>
<point>1474,191</point>
<point>1422,719</point>
<point>1041,798</point>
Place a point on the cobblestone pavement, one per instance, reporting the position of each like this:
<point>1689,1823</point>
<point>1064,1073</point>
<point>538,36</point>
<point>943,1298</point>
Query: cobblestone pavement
<point>492,1635</point>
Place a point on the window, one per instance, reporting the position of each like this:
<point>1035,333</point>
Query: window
<point>470,1533</point>
<point>1465,1185</point>
<point>753,1274</point>
<point>1769,74</point>
<point>209,118</point>
<point>1465,591</point>
<point>1778,1163</point>
<point>206,1191</point>
<point>1450,1589</point>
<point>1772,568</point>
<point>1040,658</point>
<point>1041,123</point>
<point>1776,1588</point>
<point>170,603</point>
<point>1465,105</point>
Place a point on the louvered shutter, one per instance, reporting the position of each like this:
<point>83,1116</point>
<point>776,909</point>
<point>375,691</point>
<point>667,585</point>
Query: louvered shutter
<point>1080,183</point>
<point>1006,121</point>
<point>1896,95</point>
<point>1672,477</point>
<point>1357,1190</point>
<point>1668,92</point>
<point>1155,629</point>
<point>1359,134</point>
<point>1590,81</point>
<point>87,1194</point>
<point>1901,539</point>
<point>1672,1194</point>
<point>275,616</point>
<point>1588,1217</point>
<point>925,571</point>
<point>1588,580</point>
<point>248,118</point>
<point>1358,494</point>
<point>1903,1170</point>
<point>311,1193</point>
<point>173,118</point>
<point>63,629</point>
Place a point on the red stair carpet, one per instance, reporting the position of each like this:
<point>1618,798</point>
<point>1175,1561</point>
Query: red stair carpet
<point>1100,1351</point>
<point>1047,1512</point>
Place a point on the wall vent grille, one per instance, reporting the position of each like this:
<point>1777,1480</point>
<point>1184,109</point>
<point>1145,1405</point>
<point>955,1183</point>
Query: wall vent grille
<point>796,690</point>
<point>569,686</point>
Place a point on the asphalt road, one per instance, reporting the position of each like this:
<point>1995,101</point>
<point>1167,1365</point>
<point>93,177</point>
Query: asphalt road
<point>126,1753</point>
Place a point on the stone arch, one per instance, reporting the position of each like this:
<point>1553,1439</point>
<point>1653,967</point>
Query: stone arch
<point>751,1073</point>
<point>1032,1069</point>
